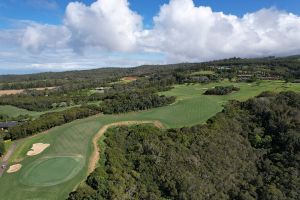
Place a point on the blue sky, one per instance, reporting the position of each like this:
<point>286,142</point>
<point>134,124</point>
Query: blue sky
<point>53,11</point>
<point>39,35</point>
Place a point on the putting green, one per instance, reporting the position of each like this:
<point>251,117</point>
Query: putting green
<point>49,171</point>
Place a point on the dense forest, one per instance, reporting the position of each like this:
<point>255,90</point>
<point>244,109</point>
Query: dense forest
<point>249,151</point>
<point>122,103</point>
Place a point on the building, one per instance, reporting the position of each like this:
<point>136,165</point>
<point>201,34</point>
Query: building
<point>101,89</point>
<point>6,125</point>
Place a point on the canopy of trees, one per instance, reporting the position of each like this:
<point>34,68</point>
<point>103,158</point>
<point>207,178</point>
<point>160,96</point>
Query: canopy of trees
<point>221,90</point>
<point>135,101</point>
<point>249,151</point>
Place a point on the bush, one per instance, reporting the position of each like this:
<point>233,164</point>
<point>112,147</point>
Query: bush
<point>221,90</point>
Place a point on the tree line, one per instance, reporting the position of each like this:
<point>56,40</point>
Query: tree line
<point>50,120</point>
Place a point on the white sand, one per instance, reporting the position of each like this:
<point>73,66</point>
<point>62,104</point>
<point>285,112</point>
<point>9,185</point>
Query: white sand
<point>14,168</point>
<point>37,149</point>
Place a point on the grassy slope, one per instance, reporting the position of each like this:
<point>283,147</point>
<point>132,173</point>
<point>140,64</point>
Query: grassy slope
<point>13,111</point>
<point>75,138</point>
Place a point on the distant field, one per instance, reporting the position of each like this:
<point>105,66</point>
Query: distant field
<point>129,79</point>
<point>125,80</point>
<point>74,140</point>
<point>7,92</point>
<point>13,111</point>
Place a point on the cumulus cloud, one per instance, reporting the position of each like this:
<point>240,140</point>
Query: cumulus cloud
<point>109,24</point>
<point>38,37</point>
<point>189,33</point>
<point>181,32</point>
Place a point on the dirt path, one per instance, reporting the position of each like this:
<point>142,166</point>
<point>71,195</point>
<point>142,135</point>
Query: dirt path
<point>5,158</point>
<point>96,154</point>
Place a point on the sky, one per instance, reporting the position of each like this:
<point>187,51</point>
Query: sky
<point>59,35</point>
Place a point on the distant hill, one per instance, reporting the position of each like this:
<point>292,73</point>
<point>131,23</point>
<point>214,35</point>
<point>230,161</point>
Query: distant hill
<point>282,66</point>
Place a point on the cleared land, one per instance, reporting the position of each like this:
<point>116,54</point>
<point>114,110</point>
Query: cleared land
<point>8,92</point>
<point>75,139</point>
<point>129,78</point>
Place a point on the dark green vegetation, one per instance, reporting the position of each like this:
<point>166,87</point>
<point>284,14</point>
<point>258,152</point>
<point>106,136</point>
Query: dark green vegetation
<point>2,146</point>
<point>249,151</point>
<point>75,80</point>
<point>121,103</point>
<point>221,90</point>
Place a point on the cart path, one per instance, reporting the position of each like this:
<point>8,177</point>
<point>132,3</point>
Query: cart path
<point>5,158</point>
<point>96,153</point>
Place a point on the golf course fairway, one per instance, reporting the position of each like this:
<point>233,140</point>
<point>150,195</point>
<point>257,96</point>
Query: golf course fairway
<point>55,172</point>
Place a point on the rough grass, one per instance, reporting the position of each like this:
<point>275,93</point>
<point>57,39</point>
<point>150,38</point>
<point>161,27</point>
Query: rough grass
<point>75,138</point>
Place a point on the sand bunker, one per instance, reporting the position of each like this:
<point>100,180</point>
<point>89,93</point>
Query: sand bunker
<point>14,168</point>
<point>37,149</point>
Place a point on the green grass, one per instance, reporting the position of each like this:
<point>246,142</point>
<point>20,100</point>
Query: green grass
<point>13,111</point>
<point>75,138</point>
<point>7,144</point>
<point>50,171</point>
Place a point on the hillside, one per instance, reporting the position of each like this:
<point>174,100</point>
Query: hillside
<point>283,66</point>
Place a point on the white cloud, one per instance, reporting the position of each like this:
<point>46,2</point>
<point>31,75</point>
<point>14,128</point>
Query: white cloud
<point>109,24</point>
<point>189,33</point>
<point>38,37</point>
<point>181,32</point>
